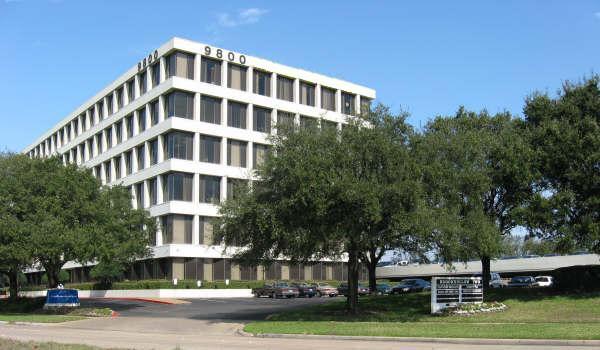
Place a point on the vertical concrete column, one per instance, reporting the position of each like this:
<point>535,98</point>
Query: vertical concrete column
<point>274,121</point>
<point>163,69</point>
<point>161,155</point>
<point>113,175</point>
<point>161,108</point>
<point>208,273</point>
<point>274,85</point>
<point>196,147</point>
<point>338,101</point>
<point>249,116</point>
<point>113,134</point>
<point>147,154</point>
<point>159,240</point>
<point>195,222</point>
<point>297,90</point>
<point>134,160</point>
<point>102,173</point>
<point>146,190</point>
<point>223,188</point>
<point>136,86</point>
<point>196,106</point>
<point>197,67</point>
<point>159,189</point>
<point>136,124</point>
<point>250,79</point>
<point>147,115</point>
<point>250,155</point>
<point>357,108</point>
<point>104,142</point>
<point>318,96</point>
<point>224,155</point>
<point>196,194</point>
<point>224,73</point>
<point>224,104</point>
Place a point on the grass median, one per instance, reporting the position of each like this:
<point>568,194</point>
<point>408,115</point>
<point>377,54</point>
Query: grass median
<point>531,314</point>
<point>31,310</point>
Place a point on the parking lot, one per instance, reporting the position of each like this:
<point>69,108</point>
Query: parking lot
<point>234,309</point>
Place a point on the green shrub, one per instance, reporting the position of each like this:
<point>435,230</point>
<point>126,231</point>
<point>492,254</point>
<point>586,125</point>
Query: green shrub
<point>577,278</point>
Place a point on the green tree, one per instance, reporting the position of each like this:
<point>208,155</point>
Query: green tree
<point>324,193</point>
<point>566,136</point>
<point>121,235</point>
<point>52,213</point>
<point>477,167</point>
<point>15,203</point>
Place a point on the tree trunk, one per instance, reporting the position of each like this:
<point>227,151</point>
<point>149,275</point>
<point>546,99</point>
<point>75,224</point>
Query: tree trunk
<point>13,278</point>
<point>372,261</point>
<point>52,274</point>
<point>353,265</point>
<point>485,272</point>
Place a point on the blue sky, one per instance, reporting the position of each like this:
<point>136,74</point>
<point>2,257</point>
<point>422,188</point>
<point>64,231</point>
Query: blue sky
<point>424,57</point>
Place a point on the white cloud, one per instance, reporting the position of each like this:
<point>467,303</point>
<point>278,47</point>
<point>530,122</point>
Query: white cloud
<point>242,17</point>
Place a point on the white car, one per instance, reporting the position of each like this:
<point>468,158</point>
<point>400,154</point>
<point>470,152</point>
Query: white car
<point>544,281</point>
<point>496,280</point>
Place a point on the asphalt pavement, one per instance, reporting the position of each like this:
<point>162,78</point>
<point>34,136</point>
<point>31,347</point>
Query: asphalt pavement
<point>231,309</point>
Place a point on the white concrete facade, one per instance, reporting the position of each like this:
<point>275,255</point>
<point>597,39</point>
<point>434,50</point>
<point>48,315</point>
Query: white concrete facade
<point>105,133</point>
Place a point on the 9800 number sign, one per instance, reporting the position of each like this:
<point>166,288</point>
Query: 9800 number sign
<point>218,53</point>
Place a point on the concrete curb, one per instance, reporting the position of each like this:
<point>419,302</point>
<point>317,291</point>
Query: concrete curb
<point>470,341</point>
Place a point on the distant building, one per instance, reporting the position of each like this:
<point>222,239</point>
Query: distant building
<point>182,128</point>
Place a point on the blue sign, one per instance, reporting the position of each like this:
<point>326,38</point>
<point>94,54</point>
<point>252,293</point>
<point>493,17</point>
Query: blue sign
<point>62,298</point>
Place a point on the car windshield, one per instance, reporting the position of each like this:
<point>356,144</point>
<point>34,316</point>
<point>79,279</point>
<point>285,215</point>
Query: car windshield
<point>520,279</point>
<point>409,282</point>
<point>542,279</point>
<point>282,284</point>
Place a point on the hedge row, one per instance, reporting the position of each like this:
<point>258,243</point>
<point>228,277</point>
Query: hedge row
<point>577,278</point>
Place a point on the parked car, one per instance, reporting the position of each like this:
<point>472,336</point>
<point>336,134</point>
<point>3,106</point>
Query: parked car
<point>544,281</point>
<point>324,289</point>
<point>495,280</point>
<point>383,288</point>
<point>305,290</point>
<point>411,285</point>
<point>522,282</point>
<point>276,290</point>
<point>343,289</point>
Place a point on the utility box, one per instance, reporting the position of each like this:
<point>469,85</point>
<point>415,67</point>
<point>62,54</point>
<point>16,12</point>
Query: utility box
<point>452,291</point>
<point>59,298</point>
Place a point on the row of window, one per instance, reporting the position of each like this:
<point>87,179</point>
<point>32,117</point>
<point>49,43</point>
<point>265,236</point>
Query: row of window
<point>179,186</point>
<point>176,145</point>
<point>182,65</point>
<point>180,104</point>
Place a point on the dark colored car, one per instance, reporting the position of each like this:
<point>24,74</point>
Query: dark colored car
<point>276,290</point>
<point>343,289</point>
<point>411,285</point>
<point>383,288</point>
<point>522,282</point>
<point>305,290</point>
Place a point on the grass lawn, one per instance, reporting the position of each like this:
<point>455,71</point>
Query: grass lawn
<point>18,345</point>
<point>531,314</point>
<point>31,310</point>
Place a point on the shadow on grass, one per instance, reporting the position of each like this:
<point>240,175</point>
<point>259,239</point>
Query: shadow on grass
<point>410,307</point>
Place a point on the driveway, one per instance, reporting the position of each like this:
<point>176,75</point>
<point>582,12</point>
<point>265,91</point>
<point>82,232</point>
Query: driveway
<point>234,309</point>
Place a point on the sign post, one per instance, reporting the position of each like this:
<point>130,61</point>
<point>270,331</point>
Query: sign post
<point>452,291</point>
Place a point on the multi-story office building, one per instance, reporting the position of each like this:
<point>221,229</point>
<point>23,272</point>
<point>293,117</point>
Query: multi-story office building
<point>182,128</point>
